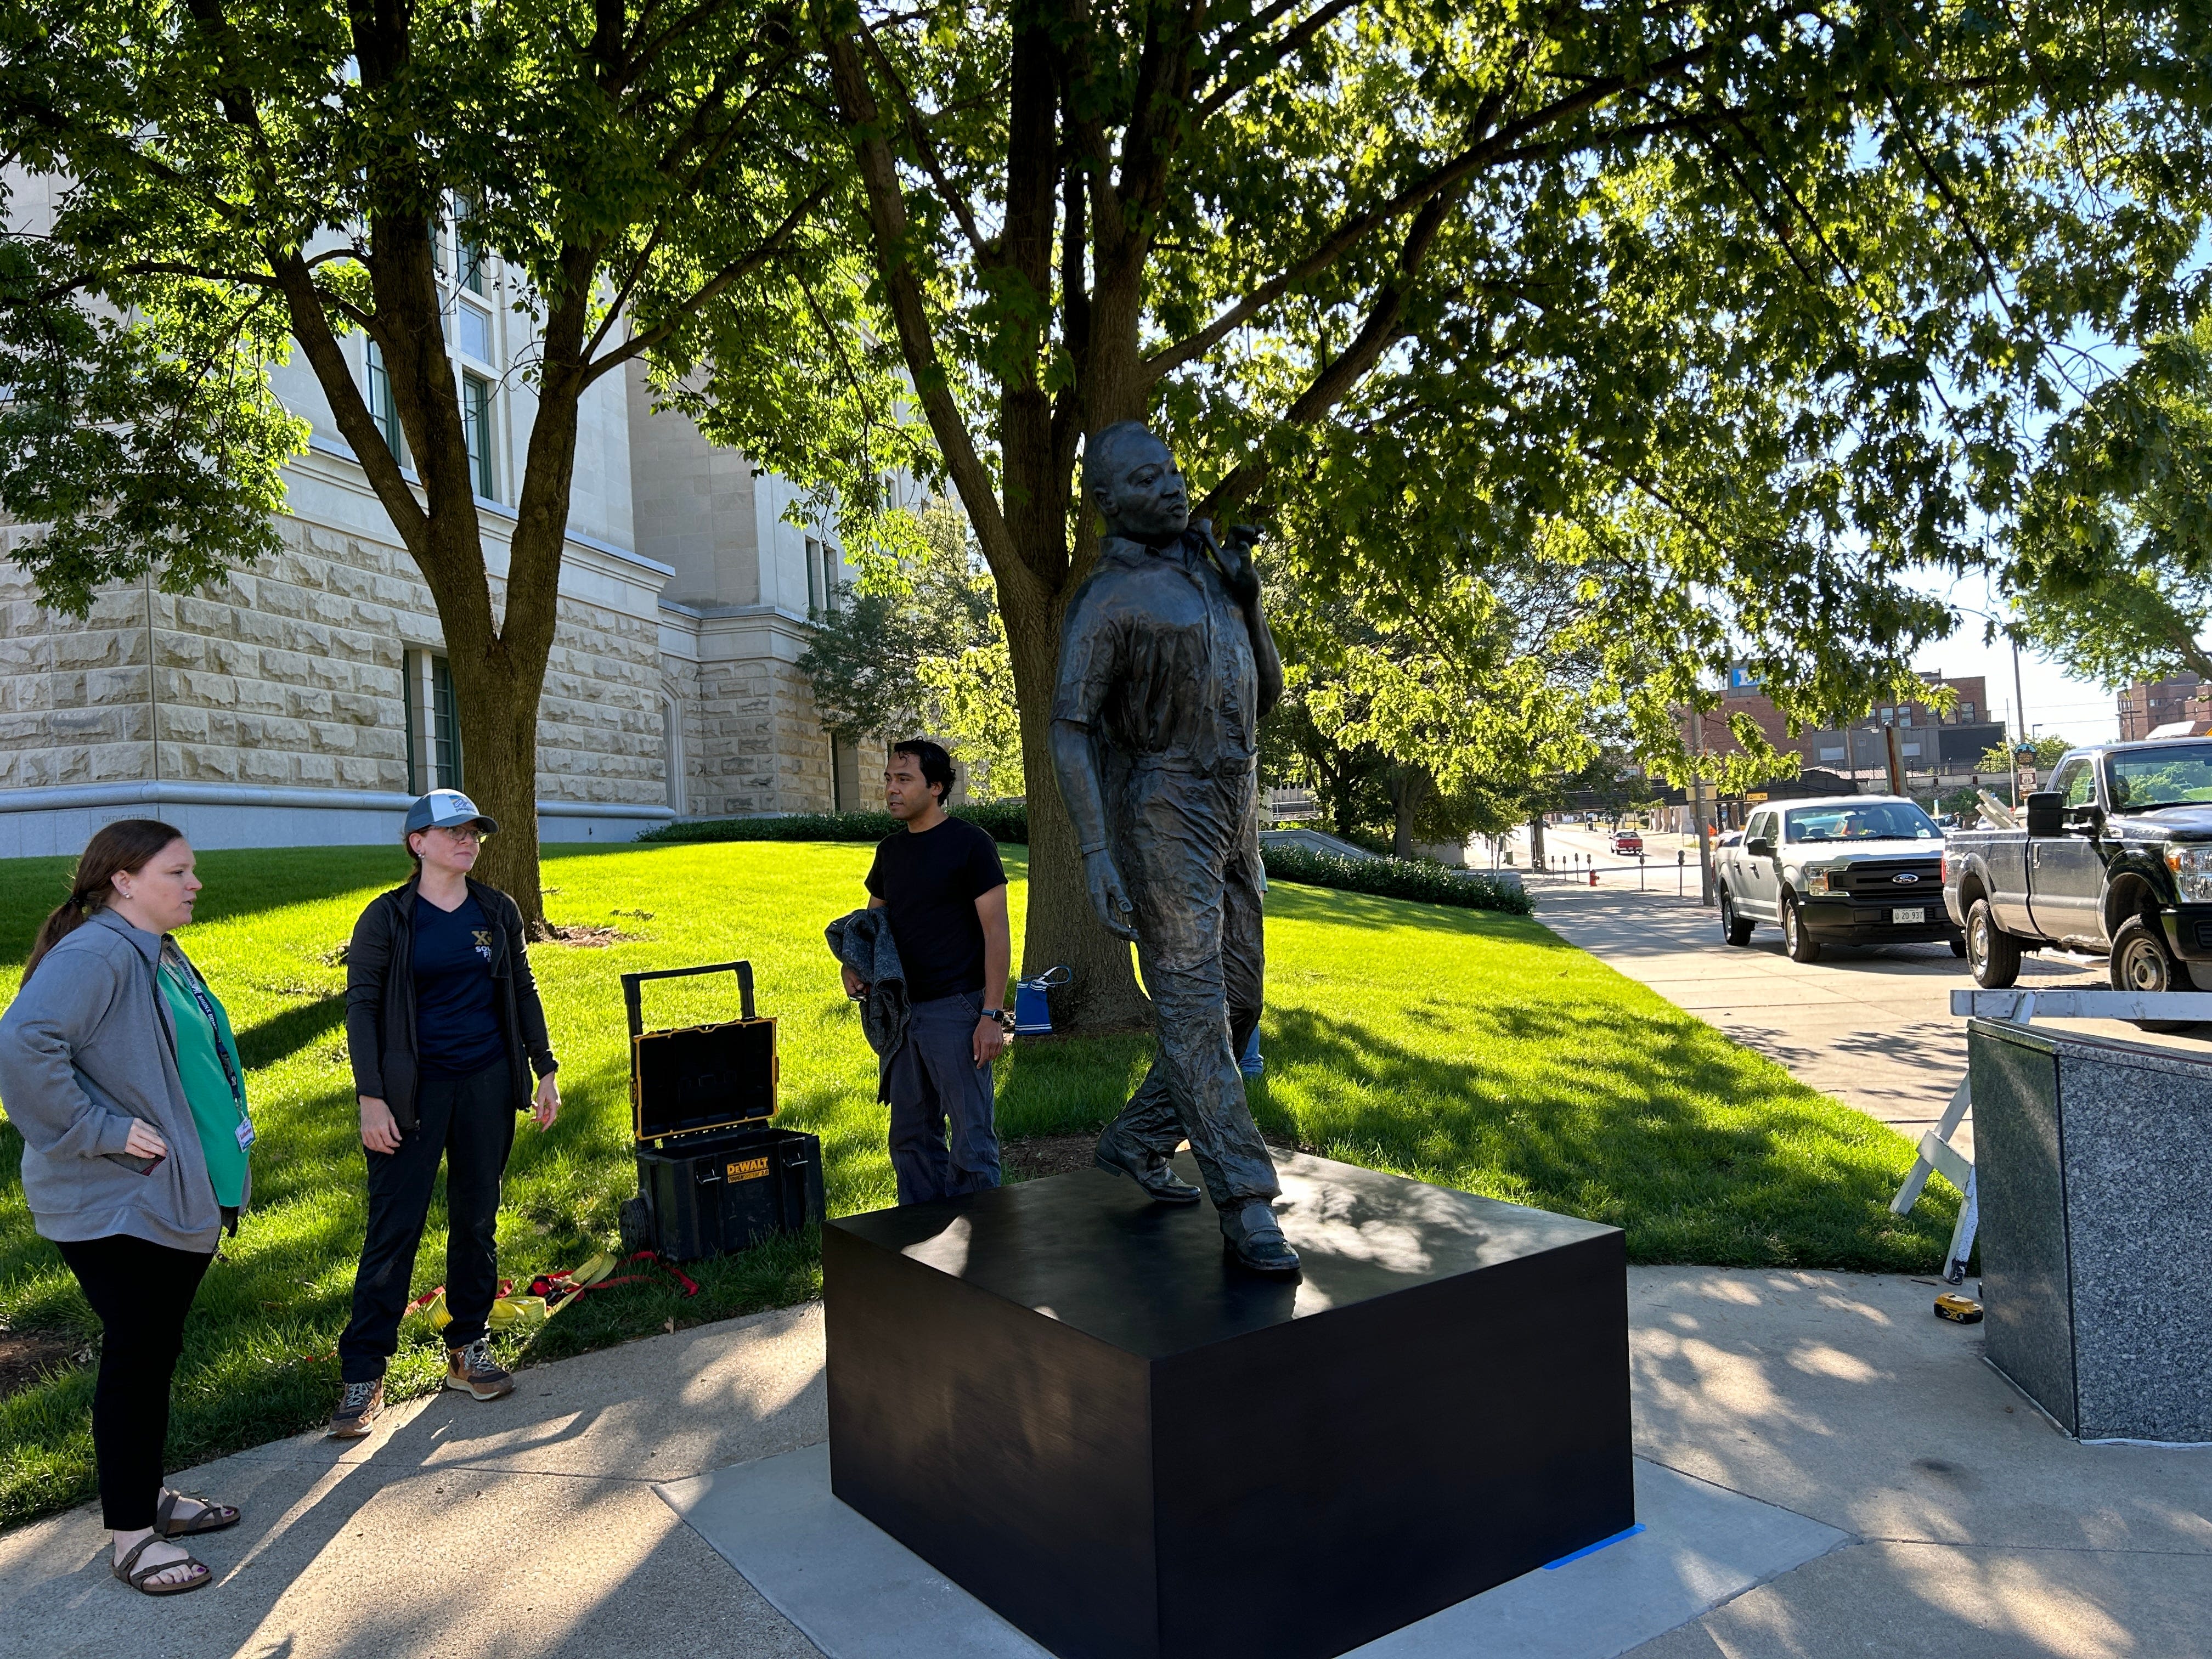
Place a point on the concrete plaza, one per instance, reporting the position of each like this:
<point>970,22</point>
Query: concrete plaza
<point>533,1526</point>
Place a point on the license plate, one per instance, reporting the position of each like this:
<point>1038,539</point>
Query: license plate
<point>1905,918</point>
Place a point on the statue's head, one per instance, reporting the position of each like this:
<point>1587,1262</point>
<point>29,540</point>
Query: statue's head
<point>1133,483</point>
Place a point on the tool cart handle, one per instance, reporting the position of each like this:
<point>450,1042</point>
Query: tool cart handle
<point>633,1000</point>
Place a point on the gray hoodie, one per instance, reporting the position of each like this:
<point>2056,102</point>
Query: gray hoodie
<point>86,1046</point>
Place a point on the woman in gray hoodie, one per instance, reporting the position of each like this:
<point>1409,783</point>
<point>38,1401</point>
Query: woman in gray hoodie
<point>118,1067</point>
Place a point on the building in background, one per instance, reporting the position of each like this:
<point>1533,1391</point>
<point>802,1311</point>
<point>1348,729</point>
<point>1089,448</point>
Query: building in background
<point>302,702</point>
<point>2181,700</point>
<point>1943,744</point>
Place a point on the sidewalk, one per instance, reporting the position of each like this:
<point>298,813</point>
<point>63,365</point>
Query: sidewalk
<point>530,1527</point>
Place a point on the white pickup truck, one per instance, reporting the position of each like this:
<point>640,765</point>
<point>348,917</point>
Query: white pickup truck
<point>1846,870</point>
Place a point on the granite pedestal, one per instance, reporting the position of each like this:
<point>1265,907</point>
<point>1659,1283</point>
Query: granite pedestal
<point>2091,1162</point>
<point>1065,1398</point>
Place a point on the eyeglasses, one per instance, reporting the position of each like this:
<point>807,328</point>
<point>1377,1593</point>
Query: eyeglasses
<point>463,832</point>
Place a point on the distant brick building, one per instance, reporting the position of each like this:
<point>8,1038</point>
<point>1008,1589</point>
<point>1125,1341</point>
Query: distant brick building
<point>2148,704</point>
<point>1928,742</point>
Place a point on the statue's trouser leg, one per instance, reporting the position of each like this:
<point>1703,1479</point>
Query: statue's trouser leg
<point>1203,1085</point>
<point>1191,857</point>
<point>1243,935</point>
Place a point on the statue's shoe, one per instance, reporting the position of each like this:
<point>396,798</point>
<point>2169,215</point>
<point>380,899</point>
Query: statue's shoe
<point>1254,1238</point>
<point>1149,1170</point>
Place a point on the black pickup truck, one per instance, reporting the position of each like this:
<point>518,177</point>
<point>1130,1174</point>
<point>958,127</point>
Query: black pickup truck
<point>2116,859</point>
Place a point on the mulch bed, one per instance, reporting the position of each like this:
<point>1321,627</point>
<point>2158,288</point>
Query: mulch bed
<point>26,1357</point>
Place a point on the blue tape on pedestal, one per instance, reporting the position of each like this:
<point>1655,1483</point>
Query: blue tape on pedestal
<point>1592,1549</point>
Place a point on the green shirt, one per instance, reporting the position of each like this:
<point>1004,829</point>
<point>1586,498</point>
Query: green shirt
<point>216,1111</point>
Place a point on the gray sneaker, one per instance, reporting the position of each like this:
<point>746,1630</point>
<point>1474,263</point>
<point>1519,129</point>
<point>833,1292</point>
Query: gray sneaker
<point>357,1411</point>
<point>471,1369</point>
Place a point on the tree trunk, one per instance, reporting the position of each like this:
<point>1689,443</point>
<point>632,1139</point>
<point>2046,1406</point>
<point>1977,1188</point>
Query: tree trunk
<point>1536,840</point>
<point>1061,928</point>
<point>497,704</point>
<point>1409,788</point>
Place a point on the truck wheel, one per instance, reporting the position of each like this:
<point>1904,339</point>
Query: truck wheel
<point>1800,945</point>
<point>1992,954</point>
<point>1733,929</point>
<point>2141,962</point>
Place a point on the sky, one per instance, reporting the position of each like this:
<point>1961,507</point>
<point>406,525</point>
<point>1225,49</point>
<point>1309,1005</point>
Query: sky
<point>2057,704</point>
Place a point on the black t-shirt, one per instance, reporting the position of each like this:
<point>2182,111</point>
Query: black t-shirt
<point>929,884</point>
<point>456,1031</point>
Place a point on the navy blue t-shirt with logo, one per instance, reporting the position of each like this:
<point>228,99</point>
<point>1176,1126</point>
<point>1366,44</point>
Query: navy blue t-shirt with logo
<point>456,1031</point>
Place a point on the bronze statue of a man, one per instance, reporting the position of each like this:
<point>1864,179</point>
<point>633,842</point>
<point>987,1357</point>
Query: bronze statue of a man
<point>1166,668</point>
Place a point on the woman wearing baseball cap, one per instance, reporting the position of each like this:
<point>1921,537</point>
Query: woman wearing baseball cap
<point>445,1028</point>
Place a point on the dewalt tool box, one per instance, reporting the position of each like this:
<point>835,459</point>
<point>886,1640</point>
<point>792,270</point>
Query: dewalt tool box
<point>713,1175</point>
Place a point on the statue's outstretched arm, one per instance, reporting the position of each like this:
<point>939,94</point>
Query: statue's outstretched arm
<point>1075,760</point>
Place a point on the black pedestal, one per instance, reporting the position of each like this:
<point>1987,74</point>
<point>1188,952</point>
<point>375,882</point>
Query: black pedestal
<point>1062,1397</point>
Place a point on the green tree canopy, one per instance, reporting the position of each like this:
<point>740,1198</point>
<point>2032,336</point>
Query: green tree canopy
<point>2111,552</point>
<point>1770,291</point>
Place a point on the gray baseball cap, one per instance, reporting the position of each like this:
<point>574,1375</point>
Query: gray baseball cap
<point>443,809</point>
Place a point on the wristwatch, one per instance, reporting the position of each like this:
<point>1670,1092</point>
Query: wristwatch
<point>1001,1016</point>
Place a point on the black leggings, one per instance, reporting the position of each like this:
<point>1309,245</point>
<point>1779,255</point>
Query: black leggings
<point>142,1293</point>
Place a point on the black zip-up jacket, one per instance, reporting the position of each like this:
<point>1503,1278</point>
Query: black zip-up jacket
<point>381,1000</point>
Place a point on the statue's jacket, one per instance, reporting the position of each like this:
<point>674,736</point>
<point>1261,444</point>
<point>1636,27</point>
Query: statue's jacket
<point>1156,663</point>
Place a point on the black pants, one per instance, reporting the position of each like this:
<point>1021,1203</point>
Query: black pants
<point>142,1293</point>
<point>470,1123</point>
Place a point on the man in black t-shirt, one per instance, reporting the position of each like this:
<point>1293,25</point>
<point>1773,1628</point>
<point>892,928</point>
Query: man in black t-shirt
<point>940,882</point>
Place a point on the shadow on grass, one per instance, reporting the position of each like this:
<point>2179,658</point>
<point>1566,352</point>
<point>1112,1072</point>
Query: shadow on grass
<point>1658,1126</point>
<point>242,882</point>
<point>281,1035</point>
<point>1290,901</point>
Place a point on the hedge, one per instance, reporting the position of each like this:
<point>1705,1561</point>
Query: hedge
<point>1005,821</point>
<point>1009,821</point>
<point>1403,879</point>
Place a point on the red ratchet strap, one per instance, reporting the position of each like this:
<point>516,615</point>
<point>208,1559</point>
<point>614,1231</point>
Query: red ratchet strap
<point>506,1289</point>
<point>652,1257</point>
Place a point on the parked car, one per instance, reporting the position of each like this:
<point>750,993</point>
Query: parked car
<point>1842,870</point>
<point>1628,843</point>
<point>2115,858</point>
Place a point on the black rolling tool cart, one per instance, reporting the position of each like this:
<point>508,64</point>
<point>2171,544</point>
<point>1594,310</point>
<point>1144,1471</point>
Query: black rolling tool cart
<point>711,1176</point>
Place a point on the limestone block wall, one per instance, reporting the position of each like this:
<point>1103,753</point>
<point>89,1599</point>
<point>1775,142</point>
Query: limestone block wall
<point>599,730</point>
<point>74,706</point>
<point>751,740</point>
<point>288,675</point>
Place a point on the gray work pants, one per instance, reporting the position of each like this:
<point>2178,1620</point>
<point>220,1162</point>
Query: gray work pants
<point>1188,850</point>
<point>934,1083</point>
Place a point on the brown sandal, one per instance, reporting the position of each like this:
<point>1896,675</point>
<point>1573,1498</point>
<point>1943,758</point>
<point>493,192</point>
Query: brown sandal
<point>141,1578</point>
<point>213,1516</point>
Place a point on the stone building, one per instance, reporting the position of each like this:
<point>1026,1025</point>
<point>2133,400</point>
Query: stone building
<point>303,701</point>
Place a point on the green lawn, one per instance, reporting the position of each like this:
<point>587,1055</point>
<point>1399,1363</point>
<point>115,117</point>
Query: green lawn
<point>1466,1048</point>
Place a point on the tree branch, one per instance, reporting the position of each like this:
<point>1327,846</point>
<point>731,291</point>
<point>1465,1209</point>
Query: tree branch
<point>736,271</point>
<point>890,231</point>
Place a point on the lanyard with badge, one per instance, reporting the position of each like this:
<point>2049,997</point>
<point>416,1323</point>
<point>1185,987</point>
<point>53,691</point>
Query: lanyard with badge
<point>190,981</point>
